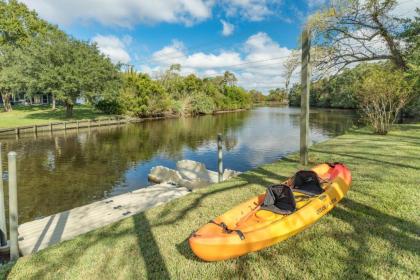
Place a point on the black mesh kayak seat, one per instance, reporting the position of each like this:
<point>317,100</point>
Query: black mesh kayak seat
<point>307,182</point>
<point>279,199</point>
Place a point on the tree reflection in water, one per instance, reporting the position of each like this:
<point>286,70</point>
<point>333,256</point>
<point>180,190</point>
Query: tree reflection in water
<point>67,170</point>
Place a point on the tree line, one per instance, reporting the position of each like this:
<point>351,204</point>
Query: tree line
<point>277,96</point>
<point>173,94</point>
<point>36,57</point>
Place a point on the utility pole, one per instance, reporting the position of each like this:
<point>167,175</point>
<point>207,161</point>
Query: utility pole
<point>304,101</point>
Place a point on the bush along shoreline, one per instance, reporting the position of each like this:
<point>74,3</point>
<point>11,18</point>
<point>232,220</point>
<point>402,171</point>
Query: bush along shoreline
<point>172,94</point>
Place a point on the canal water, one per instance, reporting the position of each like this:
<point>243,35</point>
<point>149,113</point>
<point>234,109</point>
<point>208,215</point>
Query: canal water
<point>64,170</point>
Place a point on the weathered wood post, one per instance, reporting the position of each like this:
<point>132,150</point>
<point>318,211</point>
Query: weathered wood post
<point>3,228</point>
<point>35,130</point>
<point>77,123</point>
<point>51,127</point>
<point>65,125</point>
<point>17,130</point>
<point>13,207</point>
<point>220,157</point>
<point>304,101</point>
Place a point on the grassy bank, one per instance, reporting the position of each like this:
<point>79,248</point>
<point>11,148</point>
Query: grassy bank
<point>373,233</point>
<point>31,115</point>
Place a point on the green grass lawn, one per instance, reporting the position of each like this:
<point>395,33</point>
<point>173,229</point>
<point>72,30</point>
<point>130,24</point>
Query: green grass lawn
<point>30,115</point>
<point>372,234</point>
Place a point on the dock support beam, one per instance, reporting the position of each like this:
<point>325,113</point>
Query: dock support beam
<point>220,157</point>
<point>304,102</point>
<point>13,207</point>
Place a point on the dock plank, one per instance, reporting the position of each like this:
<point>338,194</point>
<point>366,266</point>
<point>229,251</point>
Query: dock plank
<point>39,234</point>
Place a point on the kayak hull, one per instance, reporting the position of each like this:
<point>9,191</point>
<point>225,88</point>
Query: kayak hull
<point>262,228</point>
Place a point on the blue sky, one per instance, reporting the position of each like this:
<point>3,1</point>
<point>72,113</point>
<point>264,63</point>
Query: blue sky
<point>248,37</point>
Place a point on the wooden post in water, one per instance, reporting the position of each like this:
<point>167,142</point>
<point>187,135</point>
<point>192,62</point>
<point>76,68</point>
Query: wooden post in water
<point>220,157</point>
<point>51,127</point>
<point>304,101</point>
<point>13,207</point>
<point>3,228</point>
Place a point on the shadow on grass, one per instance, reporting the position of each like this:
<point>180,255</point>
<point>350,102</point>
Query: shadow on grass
<point>5,269</point>
<point>154,262</point>
<point>369,223</point>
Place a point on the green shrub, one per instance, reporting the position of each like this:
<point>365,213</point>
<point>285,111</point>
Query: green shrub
<point>383,92</point>
<point>144,97</point>
<point>202,104</point>
<point>110,106</point>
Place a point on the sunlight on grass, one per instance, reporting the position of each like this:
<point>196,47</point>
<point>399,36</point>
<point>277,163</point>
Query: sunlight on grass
<point>372,233</point>
<point>25,115</point>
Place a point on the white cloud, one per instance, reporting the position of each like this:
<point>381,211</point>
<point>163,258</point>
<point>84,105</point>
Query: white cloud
<point>128,13</point>
<point>175,53</point>
<point>113,47</point>
<point>254,10</point>
<point>228,28</point>
<point>263,75</point>
<point>125,13</point>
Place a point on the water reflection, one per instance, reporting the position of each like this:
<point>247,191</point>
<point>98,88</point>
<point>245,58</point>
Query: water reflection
<point>65,170</point>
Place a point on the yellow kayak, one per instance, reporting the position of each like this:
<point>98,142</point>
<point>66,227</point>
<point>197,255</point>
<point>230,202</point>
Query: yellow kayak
<point>261,222</point>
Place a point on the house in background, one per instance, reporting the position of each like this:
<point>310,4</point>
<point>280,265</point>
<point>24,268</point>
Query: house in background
<point>37,99</point>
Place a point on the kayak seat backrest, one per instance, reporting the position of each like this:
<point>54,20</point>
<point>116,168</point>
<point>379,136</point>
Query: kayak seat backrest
<point>279,199</point>
<point>307,182</point>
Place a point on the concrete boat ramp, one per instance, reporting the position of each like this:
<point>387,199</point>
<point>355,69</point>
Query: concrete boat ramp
<point>44,232</point>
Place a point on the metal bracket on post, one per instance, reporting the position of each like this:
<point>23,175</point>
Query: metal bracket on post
<point>220,157</point>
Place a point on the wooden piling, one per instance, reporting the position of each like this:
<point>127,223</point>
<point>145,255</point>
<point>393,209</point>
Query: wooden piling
<point>304,104</point>
<point>13,207</point>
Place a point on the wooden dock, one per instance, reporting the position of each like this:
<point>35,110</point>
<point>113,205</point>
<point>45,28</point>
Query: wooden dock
<point>44,232</point>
